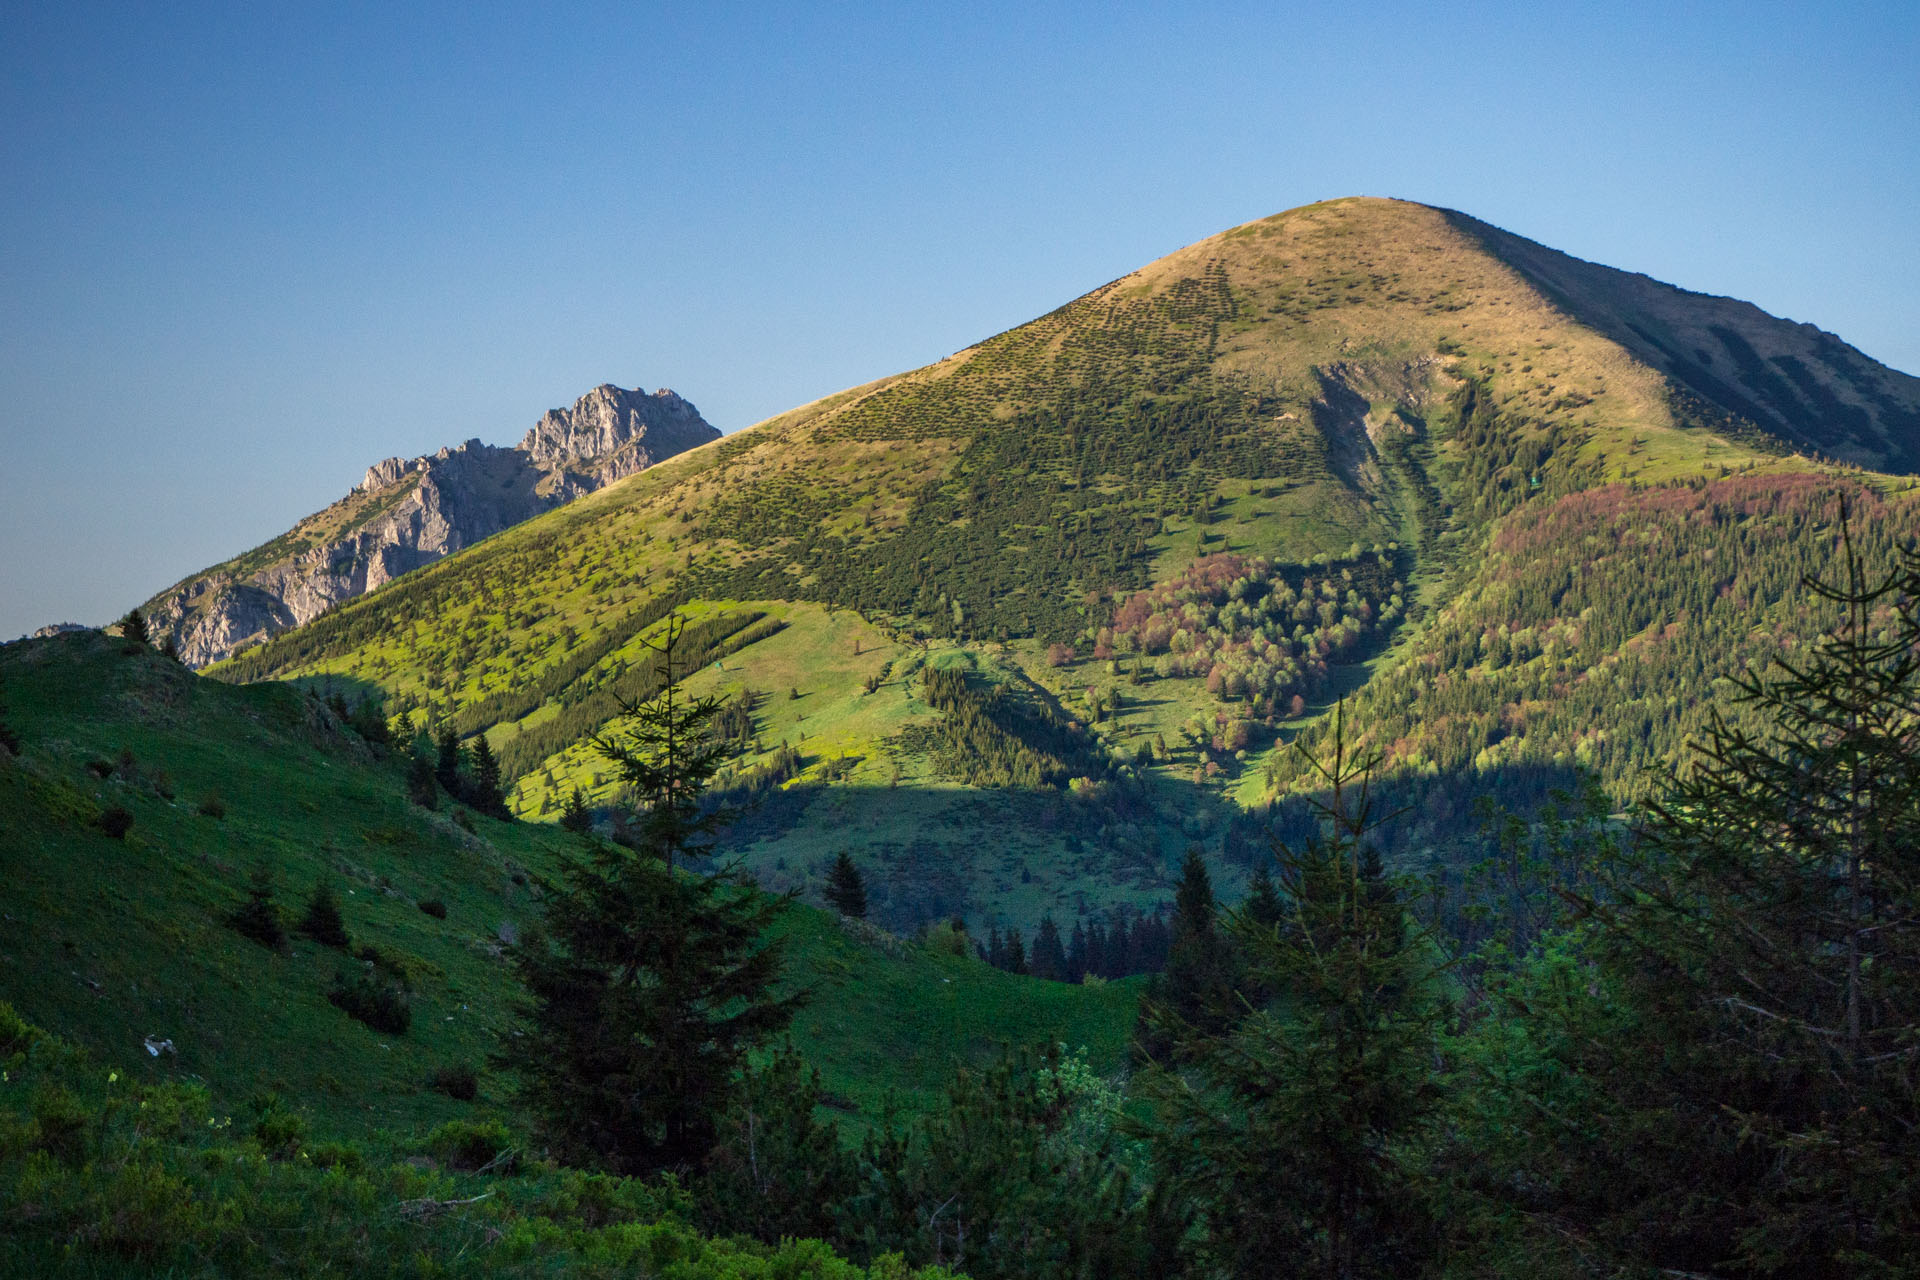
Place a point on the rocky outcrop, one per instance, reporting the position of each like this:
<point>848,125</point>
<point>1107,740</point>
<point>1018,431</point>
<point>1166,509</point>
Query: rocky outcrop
<point>408,512</point>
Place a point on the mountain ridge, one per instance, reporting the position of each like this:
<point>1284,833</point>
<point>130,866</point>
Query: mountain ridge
<point>409,512</point>
<point>1156,532</point>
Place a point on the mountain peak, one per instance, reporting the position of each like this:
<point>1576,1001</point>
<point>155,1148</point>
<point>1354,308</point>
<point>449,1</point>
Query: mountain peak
<point>407,512</point>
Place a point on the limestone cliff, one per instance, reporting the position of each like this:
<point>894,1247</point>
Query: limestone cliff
<point>408,512</point>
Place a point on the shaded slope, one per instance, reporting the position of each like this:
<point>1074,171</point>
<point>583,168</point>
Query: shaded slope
<point>1794,381</point>
<point>109,941</point>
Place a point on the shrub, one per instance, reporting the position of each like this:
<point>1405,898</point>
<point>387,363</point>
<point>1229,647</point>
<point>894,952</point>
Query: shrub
<point>322,922</point>
<point>372,998</point>
<point>337,1155</point>
<point>472,1144</point>
<point>435,908</point>
<point>458,1081</point>
<point>9,740</point>
<point>212,806</point>
<point>278,1130</point>
<point>59,1126</point>
<point>115,822</point>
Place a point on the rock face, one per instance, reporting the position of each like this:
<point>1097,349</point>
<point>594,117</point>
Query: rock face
<point>409,512</point>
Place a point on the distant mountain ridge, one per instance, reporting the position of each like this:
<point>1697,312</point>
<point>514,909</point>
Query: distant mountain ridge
<point>409,512</point>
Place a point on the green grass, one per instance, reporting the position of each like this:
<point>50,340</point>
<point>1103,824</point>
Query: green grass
<point>108,941</point>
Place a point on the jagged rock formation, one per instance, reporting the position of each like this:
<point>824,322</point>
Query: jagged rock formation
<point>409,512</point>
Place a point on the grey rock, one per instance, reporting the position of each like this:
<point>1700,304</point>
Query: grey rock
<point>408,512</point>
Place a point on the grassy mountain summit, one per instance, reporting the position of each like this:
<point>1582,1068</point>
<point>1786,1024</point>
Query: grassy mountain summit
<point>1018,626</point>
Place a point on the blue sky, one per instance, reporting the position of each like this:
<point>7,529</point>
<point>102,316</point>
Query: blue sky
<point>246,251</point>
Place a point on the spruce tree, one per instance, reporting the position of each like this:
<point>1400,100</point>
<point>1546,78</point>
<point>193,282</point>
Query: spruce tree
<point>1196,989</point>
<point>575,817</point>
<point>1763,958</point>
<point>422,787</point>
<point>1049,959</point>
<point>1287,1131</point>
<point>447,767</point>
<point>1262,903</point>
<point>259,916</point>
<point>133,628</point>
<point>322,920</point>
<point>484,793</point>
<point>647,986</point>
<point>846,891</point>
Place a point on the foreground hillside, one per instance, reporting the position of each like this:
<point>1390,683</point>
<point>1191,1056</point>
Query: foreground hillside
<point>115,943</point>
<point>1148,537</point>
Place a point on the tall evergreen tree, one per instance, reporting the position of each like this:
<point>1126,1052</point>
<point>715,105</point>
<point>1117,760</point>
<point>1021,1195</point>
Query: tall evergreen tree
<point>1197,987</point>
<point>1016,952</point>
<point>1262,904</point>
<point>447,767</point>
<point>485,793</point>
<point>846,891</point>
<point>322,920</point>
<point>1763,952</point>
<point>133,628</point>
<point>647,986</point>
<point>575,817</point>
<point>1286,1131</point>
<point>1049,959</point>
<point>259,916</point>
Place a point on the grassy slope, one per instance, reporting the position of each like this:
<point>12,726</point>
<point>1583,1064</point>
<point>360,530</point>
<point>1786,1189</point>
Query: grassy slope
<point>1286,388</point>
<point>107,941</point>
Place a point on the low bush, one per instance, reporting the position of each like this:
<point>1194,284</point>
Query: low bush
<point>114,822</point>
<point>434,907</point>
<point>371,997</point>
<point>467,1145</point>
<point>458,1081</point>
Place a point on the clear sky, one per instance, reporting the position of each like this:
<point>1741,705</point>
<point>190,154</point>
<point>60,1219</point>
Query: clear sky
<point>247,250</point>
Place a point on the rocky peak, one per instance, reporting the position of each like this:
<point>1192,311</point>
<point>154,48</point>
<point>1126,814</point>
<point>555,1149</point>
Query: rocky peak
<point>608,419</point>
<point>465,492</point>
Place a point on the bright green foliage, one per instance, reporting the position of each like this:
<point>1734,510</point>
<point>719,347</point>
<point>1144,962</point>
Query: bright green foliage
<point>1289,1132</point>
<point>1018,1175</point>
<point>144,917</point>
<point>101,1176</point>
<point>648,986</point>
